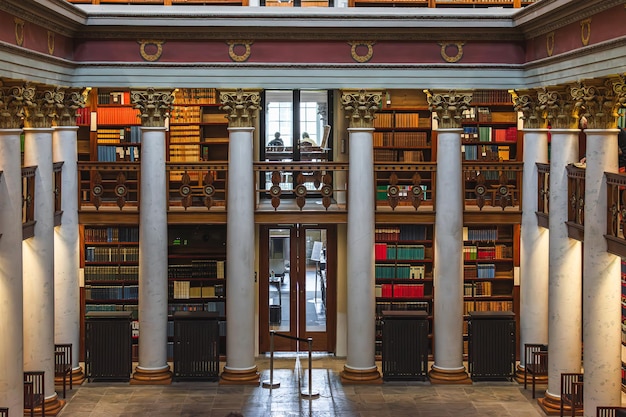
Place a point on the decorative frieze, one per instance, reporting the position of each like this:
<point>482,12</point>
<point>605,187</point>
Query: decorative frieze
<point>448,107</point>
<point>561,110</point>
<point>360,107</point>
<point>155,106</point>
<point>527,102</point>
<point>241,106</point>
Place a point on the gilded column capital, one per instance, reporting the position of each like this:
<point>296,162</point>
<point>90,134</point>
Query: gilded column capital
<point>448,106</point>
<point>12,101</point>
<point>595,100</point>
<point>561,110</point>
<point>41,105</point>
<point>73,99</point>
<point>241,106</point>
<point>527,102</point>
<point>360,107</point>
<point>155,106</point>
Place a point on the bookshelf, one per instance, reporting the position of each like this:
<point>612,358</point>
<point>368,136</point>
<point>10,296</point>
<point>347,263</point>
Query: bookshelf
<point>111,271</point>
<point>403,271</point>
<point>402,135</point>
<point>196,274</point>
<point>490,128</point>
<point>488,265</point>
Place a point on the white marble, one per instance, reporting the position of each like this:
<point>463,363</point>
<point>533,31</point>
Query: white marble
<point>361,302</point>
<point>565,286</point>
<point>67,244</point>
<point>448,275</point>
<point>153,252</point>
<point>534,247</point>
<point>11,301</point>
<point>38,262</point>
<point>601,281</point>
<point>240,286</point>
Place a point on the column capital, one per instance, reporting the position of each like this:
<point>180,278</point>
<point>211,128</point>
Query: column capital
<point>599,101</point>
<point>241,106</point>
<point>155,106</point>
<point>360,107</point>
<point>73,99</point>
<point>11,106</point>
<point>41,105</point>
<point>527,102</point>
<point>560,108</point>
<point>448,106</point>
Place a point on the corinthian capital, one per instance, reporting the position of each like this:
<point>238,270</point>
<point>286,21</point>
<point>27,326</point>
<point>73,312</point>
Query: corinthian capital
<point>527,102</point>
<point>597,102</point>
<point>12,106</point>
<point>561,110</point>
<point>361,107</point>
<point>73,99</point>
<point>155,106</point>
<point>241,106</point>
<point>448,107</point>
<point>41,105</point>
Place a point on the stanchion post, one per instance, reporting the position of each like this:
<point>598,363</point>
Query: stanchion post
<point>310,395</point>
<point>271,384</point>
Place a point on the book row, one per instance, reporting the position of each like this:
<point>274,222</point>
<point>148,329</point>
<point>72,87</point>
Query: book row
<point>384,251</point>
<point>198,269</point>
<point>487,306</point>
<point>486,153</point>
<point>119,116</point>
<point>195,96</point>
<point>112,292</point>
<point>477,289</point>
<point>480,235</point>
<point>218,307</point>
<point>401,139</point>
<point>392,271</point>
<point>472,252</point>
<point>182,290</point>
<point>133,308</point>
<point>111,273</point>
<point>185,114</point>
<point>111,254</point>
<point>112,234</point>
<point>402,233</point>
<point>492,96</point>
<point>401,306</point>
<point>400,290</point>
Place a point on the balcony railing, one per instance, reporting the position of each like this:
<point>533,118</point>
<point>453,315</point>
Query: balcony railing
<point>200,185</point>
<point>576,206</point>
<point>543,196</point>
<point>491,186</point>
<point>405,186</point>
<point>57,169</point>
<point>616,218</point>
<point>28,202</point>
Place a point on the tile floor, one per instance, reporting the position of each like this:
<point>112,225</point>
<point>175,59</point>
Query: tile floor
<point>191,399</point>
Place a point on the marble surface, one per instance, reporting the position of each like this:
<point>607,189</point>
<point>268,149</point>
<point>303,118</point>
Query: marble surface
<point>195,399</point>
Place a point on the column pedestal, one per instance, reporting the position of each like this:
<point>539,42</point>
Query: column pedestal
<point>360,376</point>
<point>448,376</point>
<point>151,376</point>
<point>240,377</point>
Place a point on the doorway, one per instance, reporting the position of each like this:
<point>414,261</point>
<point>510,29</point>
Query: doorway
<point>297,292</point>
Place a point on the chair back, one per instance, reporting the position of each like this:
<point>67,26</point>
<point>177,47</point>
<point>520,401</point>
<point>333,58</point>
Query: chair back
<point>4,412</point>
<point>530,348</point>
<point>65,356</point>
<point>605,411</point>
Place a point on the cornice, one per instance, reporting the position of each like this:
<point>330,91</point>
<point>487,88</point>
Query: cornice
<point>18,51</point>
<point>58,16</point>
<point>550,15</point>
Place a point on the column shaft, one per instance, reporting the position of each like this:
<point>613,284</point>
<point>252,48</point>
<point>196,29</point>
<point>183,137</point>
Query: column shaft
<point>153,367</point>
<point>11,301</point>
<point>601,281</point>
<point>38,258</point>
<point>361,302</point>
<point>564,299</point>
<point>534,244</point>
<point>66,245</point>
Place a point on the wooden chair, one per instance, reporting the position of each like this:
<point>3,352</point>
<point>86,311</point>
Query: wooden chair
<point>571,392</point>
<point>63,364</point>
<point>610,411</point>
<point>536,356</point>
<point>34,393</point>
<point>4,412</point>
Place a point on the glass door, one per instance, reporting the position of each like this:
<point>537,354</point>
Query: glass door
<point>297,291</point>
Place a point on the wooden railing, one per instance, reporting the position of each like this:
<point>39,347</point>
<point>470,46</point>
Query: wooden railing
<point>405,186</point>
<point>108,185</point>
<point>197,185</point>
<point>57,169</point>
<point>492,185</point>
<point>543,195</point>
<point>616,216</point>
<point>28,202</point>
<point>576,206</point>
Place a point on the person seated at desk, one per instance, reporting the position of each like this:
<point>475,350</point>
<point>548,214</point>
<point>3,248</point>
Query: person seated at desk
<point>277,141</point>
<point>306,141</point>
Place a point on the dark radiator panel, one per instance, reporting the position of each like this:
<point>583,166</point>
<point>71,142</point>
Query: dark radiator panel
<point>405,345</point>
<point>196,345</point>
<point>491,345</point>
<point>108,344</point>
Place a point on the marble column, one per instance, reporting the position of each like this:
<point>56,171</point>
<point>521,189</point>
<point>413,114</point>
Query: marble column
<point>66,236</point>
<point>152,368</point>
<point>601,269</point>
<point>11,301</point>
<point>360,367</point>
<point>534,239</point>
<point>448,275</point>
<point>38,251</point>
<point>241,109</point>
<point>565,276</point>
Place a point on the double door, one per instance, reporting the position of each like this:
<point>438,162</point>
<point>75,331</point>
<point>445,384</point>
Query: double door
<point>297,287</point>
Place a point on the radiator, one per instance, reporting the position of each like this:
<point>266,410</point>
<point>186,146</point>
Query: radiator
<point>108,345</point>
<point>405,345</point>
<point>491,345</point>
<point>196,345</point>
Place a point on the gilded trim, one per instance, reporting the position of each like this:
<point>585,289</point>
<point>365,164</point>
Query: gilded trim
<point>585,31</point>
<point>51,43</point>
<point>459,48</point>
<point>231,50</point>
<point>19,31</point>
<point>362,58</point>
<point>550,43</point>
<point>150,57</point>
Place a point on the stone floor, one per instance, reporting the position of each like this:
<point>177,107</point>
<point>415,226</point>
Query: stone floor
<point>397,399</point>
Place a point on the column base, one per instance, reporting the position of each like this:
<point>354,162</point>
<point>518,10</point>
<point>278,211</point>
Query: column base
<point>360,376</point>
<point>151,376</point>
<point>519,377</point>
<point>444,376</point>
<point>240,377</point>
<point>551,405</point>
<point>78,377</point>
<point>53,406</point>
